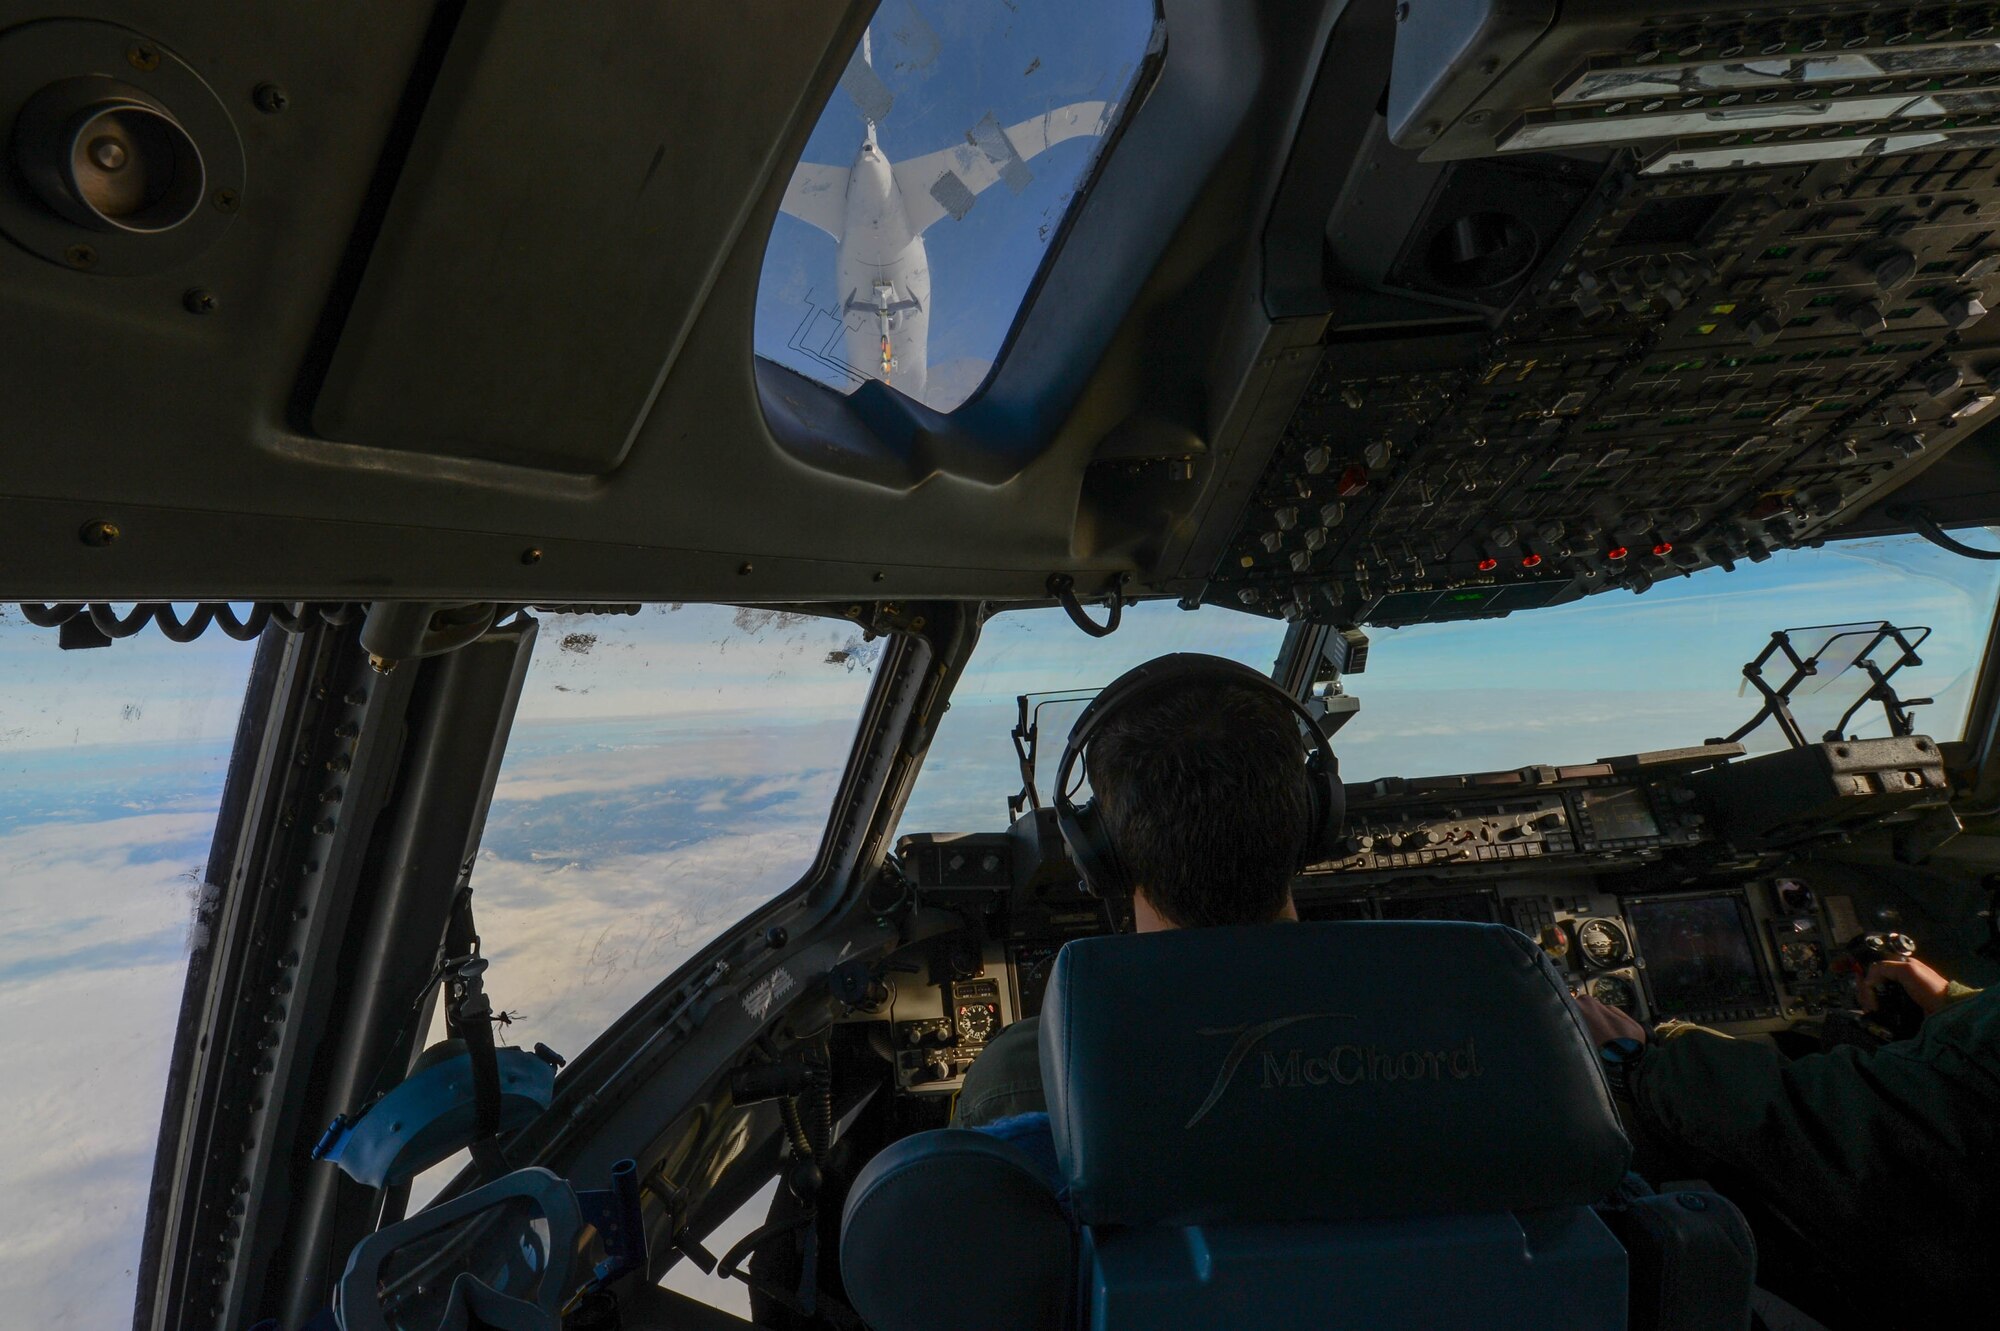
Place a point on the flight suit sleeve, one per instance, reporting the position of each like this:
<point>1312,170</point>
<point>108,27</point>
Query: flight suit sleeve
<point>1006,1078</point>
<point>1956,993</point>
<point>1846,1141</point>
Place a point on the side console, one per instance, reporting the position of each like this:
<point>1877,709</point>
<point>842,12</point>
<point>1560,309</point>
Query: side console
<point>1024,893</point>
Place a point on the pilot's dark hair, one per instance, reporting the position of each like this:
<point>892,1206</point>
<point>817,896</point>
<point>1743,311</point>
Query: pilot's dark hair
<point>1203,791</point>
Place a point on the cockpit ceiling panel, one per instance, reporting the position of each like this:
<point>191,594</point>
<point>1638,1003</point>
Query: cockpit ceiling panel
<point>476,321</point>
<point>556,226</point>
<point>469,314</point>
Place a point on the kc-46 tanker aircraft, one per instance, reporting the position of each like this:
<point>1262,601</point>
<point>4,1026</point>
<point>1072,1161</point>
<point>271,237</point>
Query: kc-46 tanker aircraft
<point>833,664</point>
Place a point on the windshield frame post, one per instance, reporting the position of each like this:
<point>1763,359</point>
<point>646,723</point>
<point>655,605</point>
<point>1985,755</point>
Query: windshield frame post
<point>352,804</point>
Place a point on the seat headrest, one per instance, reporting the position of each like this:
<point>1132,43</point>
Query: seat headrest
<point>1322,1071</point>
<point>984,1200</point>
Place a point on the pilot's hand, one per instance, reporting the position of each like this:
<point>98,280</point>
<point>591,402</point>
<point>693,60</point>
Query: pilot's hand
<point>1924,985</point>
<point>1606,1023</point>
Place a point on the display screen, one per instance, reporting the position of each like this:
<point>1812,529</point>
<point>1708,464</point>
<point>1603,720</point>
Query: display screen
<point>1699,956</point>
<point>1619,813</point>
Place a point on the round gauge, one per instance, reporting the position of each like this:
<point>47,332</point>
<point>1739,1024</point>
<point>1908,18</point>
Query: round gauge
<point>975,1022</point>
<point>1603,944</point>
<point>1614,991</point>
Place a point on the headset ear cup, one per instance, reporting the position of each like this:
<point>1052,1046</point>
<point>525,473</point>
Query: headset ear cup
<point>1327,799</point>
<point>1090,848</point>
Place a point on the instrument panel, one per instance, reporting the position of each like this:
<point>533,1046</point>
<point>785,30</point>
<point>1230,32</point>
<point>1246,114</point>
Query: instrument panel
<point>1752,957</point>
<point>1655,882</point>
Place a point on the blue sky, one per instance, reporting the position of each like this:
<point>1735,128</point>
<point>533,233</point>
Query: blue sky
<point>948,67</point>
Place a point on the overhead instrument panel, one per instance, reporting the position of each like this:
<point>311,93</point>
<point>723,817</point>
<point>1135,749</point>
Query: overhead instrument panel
<point>1614,299</point>
<point>1719,366</point>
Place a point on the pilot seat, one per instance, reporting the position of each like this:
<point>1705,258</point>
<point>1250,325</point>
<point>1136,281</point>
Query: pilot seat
<point>1332,1125</point>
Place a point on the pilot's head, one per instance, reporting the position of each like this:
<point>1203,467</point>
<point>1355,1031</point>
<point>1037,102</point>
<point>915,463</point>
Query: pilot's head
<point>1202,789</point>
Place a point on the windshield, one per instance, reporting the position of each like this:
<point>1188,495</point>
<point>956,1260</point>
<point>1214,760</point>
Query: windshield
<point>1607,675</point>
<point>668,773</point>
<point>1616,673</point>
<point>934,183</point>
<point>111,769</point>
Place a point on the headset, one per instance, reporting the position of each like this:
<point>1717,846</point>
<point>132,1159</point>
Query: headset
<point>1082,827</point>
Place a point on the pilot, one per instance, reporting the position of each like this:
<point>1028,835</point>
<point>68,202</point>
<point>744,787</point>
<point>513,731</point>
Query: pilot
<point>1873,1175</point>
<point>1202,788</point>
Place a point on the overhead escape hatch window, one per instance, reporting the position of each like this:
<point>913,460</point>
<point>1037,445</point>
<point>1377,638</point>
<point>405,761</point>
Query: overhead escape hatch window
<point>935,183</point>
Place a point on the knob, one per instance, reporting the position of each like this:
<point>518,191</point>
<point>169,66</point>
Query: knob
<point>1761,328</point>
<point>1962,311</point>
<point>1864,316</point>
<point>1943,380</point>
<point>1894,268</point>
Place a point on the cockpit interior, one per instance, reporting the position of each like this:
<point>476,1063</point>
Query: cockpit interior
<point>555,552</point>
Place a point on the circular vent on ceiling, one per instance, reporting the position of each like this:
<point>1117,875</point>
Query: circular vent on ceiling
<point>120,160</point>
